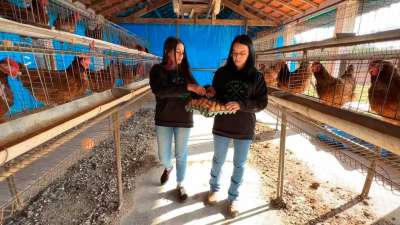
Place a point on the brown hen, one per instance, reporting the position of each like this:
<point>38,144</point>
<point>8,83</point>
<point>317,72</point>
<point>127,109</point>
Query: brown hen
<point>33,12</point>
<point>57,87</point>
<point>384,92</point>
<point>297,81</point>
<point>334,91</point>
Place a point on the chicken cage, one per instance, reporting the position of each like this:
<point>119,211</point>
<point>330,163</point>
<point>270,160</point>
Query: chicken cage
<point>67,80</point>
<point>334,77</point>
<point>34,78</point>
<point>68,17</point>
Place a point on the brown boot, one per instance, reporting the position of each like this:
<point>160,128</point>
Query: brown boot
<point>233,210</point>
<point>182,195</point>
<point>212,198</point>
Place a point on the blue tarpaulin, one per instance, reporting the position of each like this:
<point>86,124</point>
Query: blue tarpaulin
<point>207,46</point>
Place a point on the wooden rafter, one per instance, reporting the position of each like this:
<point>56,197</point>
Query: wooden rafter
<point>98,4</point>
<point>310,2</point>
<point>239,9</point>
<point>118,7</point>
<point>234,22</point>
<point>290,6</point>
<point>262,13</point>
<point>265,5</point>
<point>323,5</point>
<point>146,10</point>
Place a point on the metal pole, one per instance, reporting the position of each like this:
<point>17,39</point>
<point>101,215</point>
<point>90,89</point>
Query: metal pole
<point>281,168</point>
<point>277,121</point>
<point>117,143</point>
<point>370,175</point>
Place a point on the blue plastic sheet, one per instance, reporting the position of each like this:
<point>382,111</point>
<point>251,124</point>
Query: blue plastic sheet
<point>207,46</point>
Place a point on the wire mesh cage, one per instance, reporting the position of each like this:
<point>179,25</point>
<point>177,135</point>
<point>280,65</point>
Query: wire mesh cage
<point>32,12</point>
<point>362,76</point>
<point>354,153</point>
<point>346,57</point>
<point>52,159</point>
<point>33,78</point>
<point>68,17</point>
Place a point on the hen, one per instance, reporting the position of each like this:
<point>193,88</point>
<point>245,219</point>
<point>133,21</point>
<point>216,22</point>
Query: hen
<point>384,92</point>
<point>32,12</point>
<point>297,81</point>
<point>334,91</point>
<point>57,87</point>
<point>271,73</point>
<point>7,67</point>
<point>67,23</point>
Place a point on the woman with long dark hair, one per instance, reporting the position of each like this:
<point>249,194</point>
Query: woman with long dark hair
<point>172,82</point>
<point>242,89</point>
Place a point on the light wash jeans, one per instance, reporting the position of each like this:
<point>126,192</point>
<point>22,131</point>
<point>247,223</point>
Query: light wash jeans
<point>241,149</point>
<point>164,141</point>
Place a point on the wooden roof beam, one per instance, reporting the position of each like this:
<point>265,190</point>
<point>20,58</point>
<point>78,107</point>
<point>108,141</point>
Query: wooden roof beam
<point>144,11</point>
<point>324,5</point>
<point>311,2</point>
<point>98,4</point>
<point>263,13</point>
<point>277,10</point>
<point>234,22</point>
<point>115,9</point>
<point>240,10</point>
<point>290,6</point>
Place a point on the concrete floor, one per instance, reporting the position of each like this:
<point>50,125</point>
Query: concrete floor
<point>155,204</point>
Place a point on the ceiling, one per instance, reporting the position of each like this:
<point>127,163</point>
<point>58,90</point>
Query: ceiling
<point>255,14</point>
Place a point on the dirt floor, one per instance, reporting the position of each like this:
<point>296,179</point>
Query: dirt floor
<point>87,193</point>
<point>307,201</point>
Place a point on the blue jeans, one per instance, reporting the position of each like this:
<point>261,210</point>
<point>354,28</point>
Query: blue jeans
<point>241,150</point>
<point>164,141</point>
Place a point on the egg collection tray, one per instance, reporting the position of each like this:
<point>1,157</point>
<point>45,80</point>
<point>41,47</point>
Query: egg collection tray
<point>207,107</point>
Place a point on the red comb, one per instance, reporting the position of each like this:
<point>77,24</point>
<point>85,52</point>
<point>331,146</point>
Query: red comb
<point>44,2</point>
<point>77,16</point>
<point>11,65</point>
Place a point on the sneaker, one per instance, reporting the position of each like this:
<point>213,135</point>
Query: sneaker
<point>182,196</point>
<point>212,198</point>
<point>165,176</point>
<point>233,210</point>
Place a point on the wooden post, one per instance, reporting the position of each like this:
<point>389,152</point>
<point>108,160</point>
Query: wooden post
<point>281,169</point>
<point>370,175</point>
<point>14,192</point>
<point>346,15</point>
<point>117,144</point>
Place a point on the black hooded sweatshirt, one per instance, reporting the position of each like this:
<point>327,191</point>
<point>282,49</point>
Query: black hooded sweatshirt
<point>249,90</point>
<point>170,89</point>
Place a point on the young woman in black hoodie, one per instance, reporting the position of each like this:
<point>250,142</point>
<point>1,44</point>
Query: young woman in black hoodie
<point>172,83</point>
<point>242,89</point>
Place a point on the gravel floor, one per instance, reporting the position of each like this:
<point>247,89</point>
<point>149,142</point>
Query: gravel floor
<point>87,193</point>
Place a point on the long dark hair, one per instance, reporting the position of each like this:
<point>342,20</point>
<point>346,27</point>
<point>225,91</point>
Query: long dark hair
<point>250,62</point>
<point>170,45</point>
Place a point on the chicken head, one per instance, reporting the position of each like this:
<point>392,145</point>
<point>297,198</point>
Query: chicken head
<point>10,67</point>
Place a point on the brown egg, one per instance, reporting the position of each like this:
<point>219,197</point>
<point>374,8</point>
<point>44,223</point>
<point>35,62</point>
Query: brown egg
<point>218,108</point>
<point>87,143</point>
<point>128,114</point>
<point>223,107</point>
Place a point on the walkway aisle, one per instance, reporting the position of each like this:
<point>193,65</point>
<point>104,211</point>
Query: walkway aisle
<point>155,204</point>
